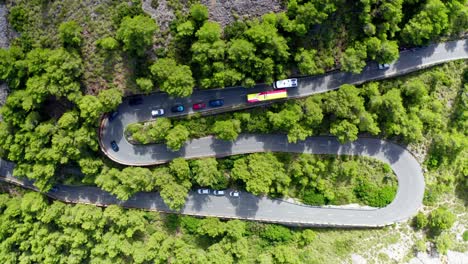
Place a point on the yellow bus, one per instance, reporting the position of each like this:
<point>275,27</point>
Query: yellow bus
<point>268,95</point>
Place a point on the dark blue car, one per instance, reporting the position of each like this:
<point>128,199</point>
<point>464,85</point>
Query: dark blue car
<point>216,103</point>
<point>114,146</point>
<point>177,108</point>
<point>113,115</point>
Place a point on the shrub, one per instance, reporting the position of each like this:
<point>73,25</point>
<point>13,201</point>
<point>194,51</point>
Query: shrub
<point>17,17</point>
<point>313,198</point>
<point>108,43</point>
<point>133,128</point>
<point>70,33</point>
<point>420,221</point>
<point>199,12</point>
<point>189,223</point>
<point>343,247</point>
<point>172,222</point>
<point>276,233</point>
<point>372,195</point>
<point>125,9</point>
<point>145,84</point>
<point>443,243</point>
<point>441,219</point>
<point>307,236</point>
<point>432,194</point>
<point>420,246</point>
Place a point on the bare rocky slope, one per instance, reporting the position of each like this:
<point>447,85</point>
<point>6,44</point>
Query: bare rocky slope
<point>221,11</point>
<point>4,43</point>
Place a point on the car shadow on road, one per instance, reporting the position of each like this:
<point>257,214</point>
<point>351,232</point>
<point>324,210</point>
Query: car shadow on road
<point>199,202</point>
<point>148,200</point>
<point>222,148</point>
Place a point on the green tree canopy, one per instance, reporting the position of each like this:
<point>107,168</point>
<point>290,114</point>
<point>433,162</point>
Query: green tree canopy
<point>176,137</point>
<point>311,63</point>
<point>344,130</point>
<point>173,78</point>
<point>388,52</point>
<point>353,60</point>
<point>277,233</point>
<point>145,84</point>
<point>90,108</point>
<point>228,129</point>
<point>206,173</point>
<point>180,168</point>
<point>136,33</point>
<point>172,192</point>
<point>12,66</point>
<point>287,117</point>
<point>208,54</point>
<point>199,13</point>
<point>262,173</point>
<point>110,99</point>
<point>126,182</point>
<point>108,43</point>
<point>431,21</point>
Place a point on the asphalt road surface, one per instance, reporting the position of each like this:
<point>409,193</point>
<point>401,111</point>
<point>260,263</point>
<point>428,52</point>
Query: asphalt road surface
<point>410,177</point>
<point>406,203</point>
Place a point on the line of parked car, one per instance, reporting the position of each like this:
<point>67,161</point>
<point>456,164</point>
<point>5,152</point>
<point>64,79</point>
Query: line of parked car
<point>179,108</point>
<point>218,192</point>
<point>160,112</point>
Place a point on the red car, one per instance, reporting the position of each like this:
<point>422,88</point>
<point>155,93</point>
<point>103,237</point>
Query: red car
<point>199,106</point>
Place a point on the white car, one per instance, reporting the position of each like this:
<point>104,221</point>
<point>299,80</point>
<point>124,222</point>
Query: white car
<point>384,66</point>
<point>234,193</point>
<point>219,192</point>
<point>287,83</point>
<point>203,191</point>
<point>157,112</point>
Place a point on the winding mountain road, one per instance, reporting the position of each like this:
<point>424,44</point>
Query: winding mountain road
<point>235,98</point>
<point>410,177</point>
<point>250,207</point>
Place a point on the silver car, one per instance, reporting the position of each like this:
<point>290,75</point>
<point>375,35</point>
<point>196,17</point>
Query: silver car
<point>157,112</point>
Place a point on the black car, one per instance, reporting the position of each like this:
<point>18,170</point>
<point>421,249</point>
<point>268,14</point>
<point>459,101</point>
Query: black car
<point>177,108</point>
<point>135,101</point>
<point>216,103</point>
<point>113,115</point>
<point>114,146</point>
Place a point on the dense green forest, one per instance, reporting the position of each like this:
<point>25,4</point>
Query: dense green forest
<point>425,109</point>
<point>313,179</point>
<point>50,117</point>
<point>35,230</point>
<point>74,60</point>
